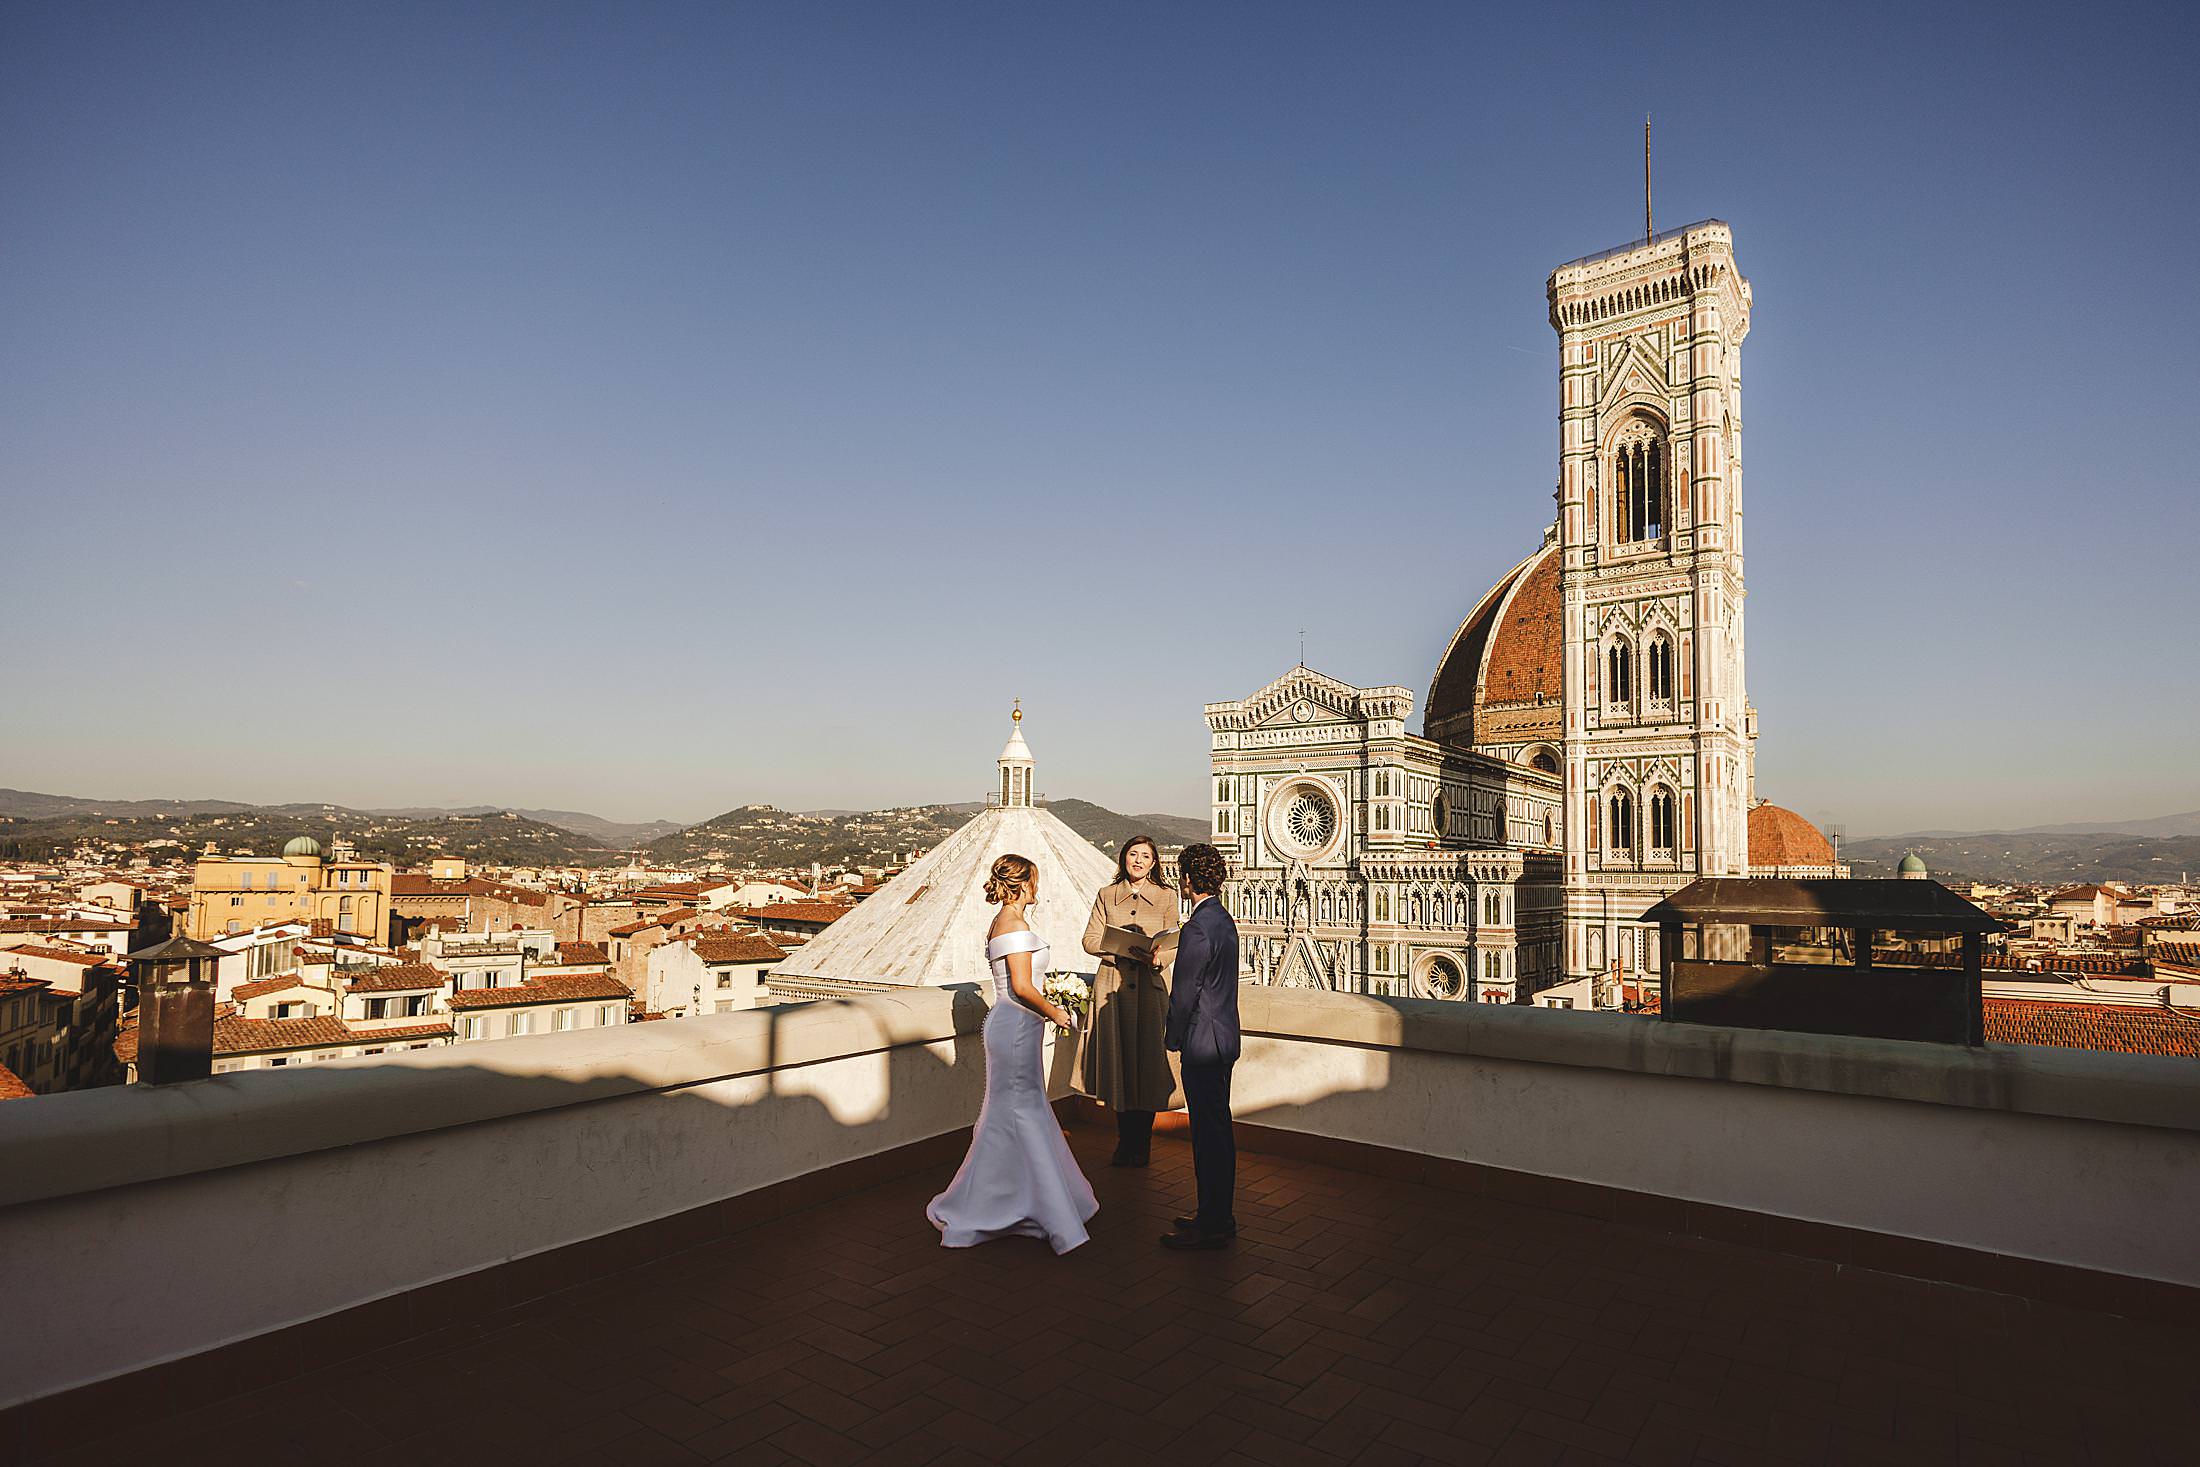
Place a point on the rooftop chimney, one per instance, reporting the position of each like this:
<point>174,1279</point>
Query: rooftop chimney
<point>175,983</point>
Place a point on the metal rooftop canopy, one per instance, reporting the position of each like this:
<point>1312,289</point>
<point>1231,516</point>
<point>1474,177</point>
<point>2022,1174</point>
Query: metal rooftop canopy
<point>1878,902</point>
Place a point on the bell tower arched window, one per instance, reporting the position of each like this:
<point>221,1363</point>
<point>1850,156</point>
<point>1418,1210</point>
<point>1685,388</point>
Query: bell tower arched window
<point>1638,479</point>
<point>1661,668</point>
<point>1622,823</point>
<point>1619,674</point>
<point>1661,822</point>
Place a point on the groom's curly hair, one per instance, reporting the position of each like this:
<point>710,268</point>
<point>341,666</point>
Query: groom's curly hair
<point>1203,869</point>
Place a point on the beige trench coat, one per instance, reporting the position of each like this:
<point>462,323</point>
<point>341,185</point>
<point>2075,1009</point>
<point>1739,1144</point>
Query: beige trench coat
<point>1124,1063</point>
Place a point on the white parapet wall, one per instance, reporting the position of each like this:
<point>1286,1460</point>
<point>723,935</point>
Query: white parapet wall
<point>139,1224</point>
<point>144,1224</point>
<point>2058,1156</point>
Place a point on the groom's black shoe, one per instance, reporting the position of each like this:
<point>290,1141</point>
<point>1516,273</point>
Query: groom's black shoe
<point>1185,1241</point>
<point>1189,1223</point>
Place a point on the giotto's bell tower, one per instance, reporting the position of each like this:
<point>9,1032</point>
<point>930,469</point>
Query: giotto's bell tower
<point>1658,728</point>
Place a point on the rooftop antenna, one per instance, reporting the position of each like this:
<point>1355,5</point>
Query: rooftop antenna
<point>1302,646</point>
<point>1648,232</point>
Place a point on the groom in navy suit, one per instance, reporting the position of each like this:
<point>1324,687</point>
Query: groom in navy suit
<point>1203,1028</point>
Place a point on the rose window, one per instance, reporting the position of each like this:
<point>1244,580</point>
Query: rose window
<point>1310,820</point>
<point>1443,979</point>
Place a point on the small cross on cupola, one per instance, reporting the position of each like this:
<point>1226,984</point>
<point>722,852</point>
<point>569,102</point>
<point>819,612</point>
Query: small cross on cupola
<point>1015,763</point>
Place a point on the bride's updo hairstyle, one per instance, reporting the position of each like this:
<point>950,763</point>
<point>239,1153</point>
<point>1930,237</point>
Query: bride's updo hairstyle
<point>1010,875</point>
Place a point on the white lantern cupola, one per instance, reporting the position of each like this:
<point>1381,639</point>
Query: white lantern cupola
<point>1015,764</point>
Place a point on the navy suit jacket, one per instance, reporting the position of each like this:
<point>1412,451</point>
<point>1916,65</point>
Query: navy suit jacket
<point>1203,994</point>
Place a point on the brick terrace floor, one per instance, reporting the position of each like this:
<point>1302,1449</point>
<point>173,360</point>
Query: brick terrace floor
<point>1358,1320</point>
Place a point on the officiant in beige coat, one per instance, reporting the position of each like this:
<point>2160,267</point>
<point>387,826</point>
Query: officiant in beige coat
<point>1125,1065</point>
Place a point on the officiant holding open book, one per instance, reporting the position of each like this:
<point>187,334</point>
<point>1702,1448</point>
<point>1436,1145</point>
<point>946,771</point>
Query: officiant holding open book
<point>1125,1065</point>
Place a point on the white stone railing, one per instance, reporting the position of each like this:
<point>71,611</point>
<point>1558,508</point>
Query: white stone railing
<point>139,1224</point>
<point>143,1224</point>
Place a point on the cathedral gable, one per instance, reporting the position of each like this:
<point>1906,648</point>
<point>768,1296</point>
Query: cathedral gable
<point>1303,696</point>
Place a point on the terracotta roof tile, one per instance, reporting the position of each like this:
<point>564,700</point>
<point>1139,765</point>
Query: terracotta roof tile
<point>557,988</point>
<point>1505,654</point>
<point>252,1036</point>
<point>64,955</point>
<point>582,952</point>
<point>800,912</point>
<point>738,947</point>
<point>267,986</point>
<point>2123,1028</point>
<point>63,924</point>
<point>12,1086</point>
<point>394,977</point>
<point>1780,837</point>
<point>409,1031</point>
<point>1524,658</point>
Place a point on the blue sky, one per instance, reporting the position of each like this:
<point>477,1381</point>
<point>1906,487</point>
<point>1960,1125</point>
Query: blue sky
<point>647,409</point>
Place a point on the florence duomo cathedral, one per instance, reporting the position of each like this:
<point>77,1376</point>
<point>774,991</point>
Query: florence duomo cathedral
<point>1587,746</point>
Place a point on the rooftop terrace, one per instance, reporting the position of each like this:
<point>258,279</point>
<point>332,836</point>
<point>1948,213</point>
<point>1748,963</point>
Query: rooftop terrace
<point>1470,1235</point>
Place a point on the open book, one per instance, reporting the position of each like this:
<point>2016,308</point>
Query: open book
<point>1129,942</point>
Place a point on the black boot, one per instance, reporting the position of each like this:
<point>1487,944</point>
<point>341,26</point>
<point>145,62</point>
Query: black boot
<point>1133,1138</point>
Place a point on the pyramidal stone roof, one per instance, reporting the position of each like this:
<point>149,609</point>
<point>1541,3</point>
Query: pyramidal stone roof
<point>927,926</point>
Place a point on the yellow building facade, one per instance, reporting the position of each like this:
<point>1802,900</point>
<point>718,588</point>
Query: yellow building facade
<point>241,892</point>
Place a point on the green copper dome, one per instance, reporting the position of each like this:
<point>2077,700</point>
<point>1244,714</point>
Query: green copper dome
<point>1912,865</point>
<point>301,845</point>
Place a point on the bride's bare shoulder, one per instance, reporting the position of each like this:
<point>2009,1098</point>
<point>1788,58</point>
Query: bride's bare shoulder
<point>1004,923</point>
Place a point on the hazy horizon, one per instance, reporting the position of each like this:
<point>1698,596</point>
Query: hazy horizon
<point>558,407</point>
<point>1188,812</point>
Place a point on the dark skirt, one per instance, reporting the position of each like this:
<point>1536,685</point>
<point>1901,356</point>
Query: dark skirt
<point>1125,1064</point>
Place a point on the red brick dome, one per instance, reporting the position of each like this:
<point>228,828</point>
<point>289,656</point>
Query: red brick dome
<point>1499,681</point>
<point>1780,837</point>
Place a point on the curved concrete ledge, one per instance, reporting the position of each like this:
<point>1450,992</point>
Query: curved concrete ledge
<point>89,1140</point>
<point>2134,1090</point>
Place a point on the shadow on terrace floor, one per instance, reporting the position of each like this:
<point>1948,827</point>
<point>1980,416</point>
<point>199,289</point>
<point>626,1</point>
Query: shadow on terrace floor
<point>1359,1320</point>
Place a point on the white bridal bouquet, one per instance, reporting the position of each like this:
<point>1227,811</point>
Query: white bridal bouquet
<point>1069,992</point>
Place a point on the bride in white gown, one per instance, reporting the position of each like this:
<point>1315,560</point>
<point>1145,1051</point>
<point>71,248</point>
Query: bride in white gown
<point>1019,1178</point>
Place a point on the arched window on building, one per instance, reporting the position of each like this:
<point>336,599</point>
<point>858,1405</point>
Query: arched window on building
<point>1619,673</point>
<point>1638,476</point>
<point>1662,822</point>
<point>1545,760</point>
<point>1661,668</point>
<point>1622,824</point>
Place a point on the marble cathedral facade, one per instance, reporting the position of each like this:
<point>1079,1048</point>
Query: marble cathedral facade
<point>1587,744</point>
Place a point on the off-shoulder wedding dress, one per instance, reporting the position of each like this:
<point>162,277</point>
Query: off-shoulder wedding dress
<point>1019,1178</point>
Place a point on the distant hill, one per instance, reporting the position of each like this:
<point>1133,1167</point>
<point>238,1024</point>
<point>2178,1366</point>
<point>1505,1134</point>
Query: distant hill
<point>759,835</point>
<point>623,835</point>
<point>28,805</point>
<point>2161,825</point>
<point>762,835</point>
<point>1108,830</point>
<point>2032,857</point>
<point>500,837</point>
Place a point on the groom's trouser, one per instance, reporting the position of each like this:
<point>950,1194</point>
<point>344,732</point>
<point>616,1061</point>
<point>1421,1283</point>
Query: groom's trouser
<point>1214,1146</point>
